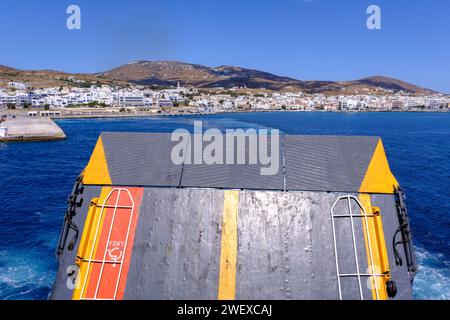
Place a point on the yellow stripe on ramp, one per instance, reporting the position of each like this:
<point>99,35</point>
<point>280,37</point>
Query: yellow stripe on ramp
<point>87,241</point>
<point>377,246</point>
<point>96,172</point>
<point>228,255</point>
<point>378,177</point>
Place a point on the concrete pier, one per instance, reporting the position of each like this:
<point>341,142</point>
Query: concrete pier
<point>30,129</point>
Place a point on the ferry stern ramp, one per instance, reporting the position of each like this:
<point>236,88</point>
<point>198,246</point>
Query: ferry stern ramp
<point>331,224</point>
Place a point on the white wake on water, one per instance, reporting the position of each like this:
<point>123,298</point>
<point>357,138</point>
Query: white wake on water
<point>432,281</point>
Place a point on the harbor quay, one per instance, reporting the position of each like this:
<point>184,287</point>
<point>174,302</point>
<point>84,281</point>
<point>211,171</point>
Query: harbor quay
<point>20,128</point>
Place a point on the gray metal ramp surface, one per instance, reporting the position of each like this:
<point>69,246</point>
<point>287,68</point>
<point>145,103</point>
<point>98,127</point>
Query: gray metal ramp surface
<point>176,252</point>
<point>305,163</point>
<point>286,248</point>
<point>235,175</point>
<point>327,163</point>
<point>137,159</point>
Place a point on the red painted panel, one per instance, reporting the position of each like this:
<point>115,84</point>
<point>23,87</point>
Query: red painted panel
<point>113,272</point>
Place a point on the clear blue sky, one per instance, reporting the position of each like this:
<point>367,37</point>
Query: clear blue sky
<point>304,39</point>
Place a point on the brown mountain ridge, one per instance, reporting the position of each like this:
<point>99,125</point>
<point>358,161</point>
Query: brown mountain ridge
<point>170,73</point>
<point>173,72</point>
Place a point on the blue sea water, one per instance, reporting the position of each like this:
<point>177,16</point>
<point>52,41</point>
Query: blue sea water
<point>36,178</point>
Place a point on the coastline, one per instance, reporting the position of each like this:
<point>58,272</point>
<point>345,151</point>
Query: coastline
<point>174,114</point>
<point>99,113</point>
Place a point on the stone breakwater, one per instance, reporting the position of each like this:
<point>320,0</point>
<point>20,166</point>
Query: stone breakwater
<point>30,129</point>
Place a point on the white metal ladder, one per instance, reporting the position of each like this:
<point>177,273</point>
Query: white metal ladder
<point>351,215</point>
<point>104,260</point>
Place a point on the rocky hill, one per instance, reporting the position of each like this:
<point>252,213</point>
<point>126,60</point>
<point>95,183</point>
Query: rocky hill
<point>170,73</point>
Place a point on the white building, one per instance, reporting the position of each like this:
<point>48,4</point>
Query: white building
<point>17,85</point>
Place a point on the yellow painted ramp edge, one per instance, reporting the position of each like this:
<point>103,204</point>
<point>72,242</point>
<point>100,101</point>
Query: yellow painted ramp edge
<point>378,177</point>
<point>229,246</point>
<point>377,246</point>
<point>96,172</point>
<point>87,241</point>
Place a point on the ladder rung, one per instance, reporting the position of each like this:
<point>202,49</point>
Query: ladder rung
<point>114,207</point>
<point>348,275</point>
<point>101,261</point>
<point>353,216</point>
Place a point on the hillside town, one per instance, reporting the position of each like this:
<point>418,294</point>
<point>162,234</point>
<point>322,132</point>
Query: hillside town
<point>134,99</point>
